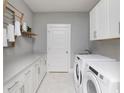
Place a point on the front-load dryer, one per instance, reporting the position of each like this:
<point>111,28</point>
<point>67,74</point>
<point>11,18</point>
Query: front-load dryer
<point>76,73</point>
<point>101,77</point>
<point>89,58</point>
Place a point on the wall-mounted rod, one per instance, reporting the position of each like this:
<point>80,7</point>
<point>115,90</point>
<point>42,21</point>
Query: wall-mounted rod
<point>15,8</point>
<point>5,23</point>
<point>8,17</point>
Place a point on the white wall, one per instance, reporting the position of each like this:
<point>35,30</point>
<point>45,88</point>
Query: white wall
<point>79,33</point>
<point>23,45</point>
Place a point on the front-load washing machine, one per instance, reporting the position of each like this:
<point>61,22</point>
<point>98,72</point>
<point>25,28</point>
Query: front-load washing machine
<point>89,58</point>
<point>101,77</point>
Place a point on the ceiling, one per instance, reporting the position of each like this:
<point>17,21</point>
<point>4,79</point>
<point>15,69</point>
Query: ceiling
<point>60,5</point>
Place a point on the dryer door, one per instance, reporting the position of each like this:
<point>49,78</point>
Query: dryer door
<point>77,72</point>
<point>91,84</point>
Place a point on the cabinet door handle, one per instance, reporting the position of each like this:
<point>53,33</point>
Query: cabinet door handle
<point>66,52</point>
<point>119,27</point>
<point>36,65</point>
<point>94,34</point>
<point>27,72</point>
<point>45,62</point>
<point>13,85</point>
<point>22,89</point>
<point>38,70</point>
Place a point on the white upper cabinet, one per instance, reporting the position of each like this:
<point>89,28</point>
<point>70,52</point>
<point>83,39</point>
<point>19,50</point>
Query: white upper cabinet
<point>101,20</point>
<point>114,18</point>
<point>98,21</point>
<point>104,20</point>
<point>93,24</point>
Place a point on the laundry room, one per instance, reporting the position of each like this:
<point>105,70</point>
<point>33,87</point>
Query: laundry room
<point>60,46</point>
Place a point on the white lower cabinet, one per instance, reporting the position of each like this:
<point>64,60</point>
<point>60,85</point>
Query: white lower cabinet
<point>15,86</point>
<point>40,70</point>
<point>28,80</point>
<point>42,67</point>
<point>37,74</point>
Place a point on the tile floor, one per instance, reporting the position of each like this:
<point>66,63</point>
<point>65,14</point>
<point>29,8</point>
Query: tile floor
<point>57,83</point>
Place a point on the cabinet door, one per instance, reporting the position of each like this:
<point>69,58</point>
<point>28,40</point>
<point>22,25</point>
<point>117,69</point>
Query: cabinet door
<point>28,81</point>
<point>16,87</point>
<point>37,74</point>
<point>98,21</point>
<point>114,18</point>
<point>101,20</point>
<point>93,24</point>
<point>44,65</point>
<point>43,68</point>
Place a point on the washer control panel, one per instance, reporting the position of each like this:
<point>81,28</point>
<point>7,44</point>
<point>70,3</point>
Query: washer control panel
<point>93,70</point>
<point>101,76</point>
<point>96,73</point>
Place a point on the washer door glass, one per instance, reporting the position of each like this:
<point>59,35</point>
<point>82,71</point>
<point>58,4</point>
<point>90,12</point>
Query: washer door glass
<point>91,87</point>
<point>90,83</point>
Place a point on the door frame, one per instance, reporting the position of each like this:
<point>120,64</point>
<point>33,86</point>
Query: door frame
<point>69,50</point>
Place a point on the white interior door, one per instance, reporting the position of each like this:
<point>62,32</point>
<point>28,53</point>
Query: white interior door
<point>58,47</point>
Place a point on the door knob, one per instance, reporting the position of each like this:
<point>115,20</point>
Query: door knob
<point>66,52</point>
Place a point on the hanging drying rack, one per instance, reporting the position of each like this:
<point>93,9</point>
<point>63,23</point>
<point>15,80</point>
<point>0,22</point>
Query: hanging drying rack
<point>17,13</point>
<point>9,9</point>
<point>27,34</point>
<point>10,13</point>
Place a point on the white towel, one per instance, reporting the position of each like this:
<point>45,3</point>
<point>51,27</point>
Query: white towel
<point>5,44</point>
<point>17,28</point>
<point>24,27</point>
<point>10,33</point>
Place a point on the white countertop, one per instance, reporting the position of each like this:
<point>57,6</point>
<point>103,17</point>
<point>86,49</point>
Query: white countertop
<point>14,66</point>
